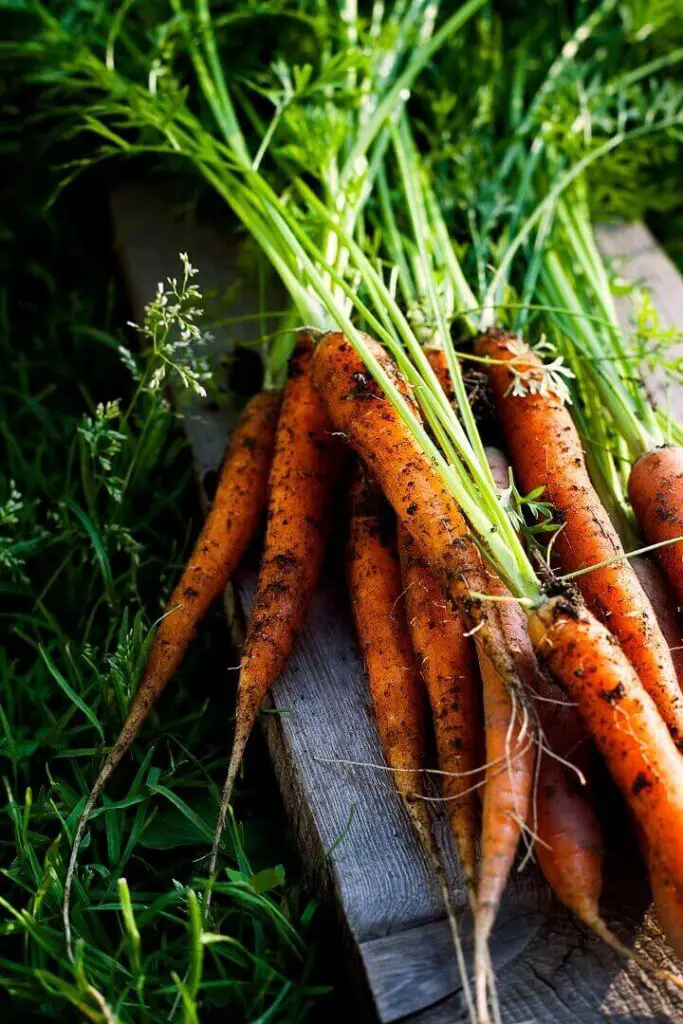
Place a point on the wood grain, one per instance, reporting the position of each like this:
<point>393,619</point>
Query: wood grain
<point>352,831</point>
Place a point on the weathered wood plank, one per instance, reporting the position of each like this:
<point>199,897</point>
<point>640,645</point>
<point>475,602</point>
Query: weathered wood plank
<point>375,878</point>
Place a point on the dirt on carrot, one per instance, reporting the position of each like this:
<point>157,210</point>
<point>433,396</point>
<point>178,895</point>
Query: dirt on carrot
<point>306,466</point>
<point>545,450</point>
<point>449,668</point>
<point>627,729</point>
<point>374,429</point>
<point>396,686</point>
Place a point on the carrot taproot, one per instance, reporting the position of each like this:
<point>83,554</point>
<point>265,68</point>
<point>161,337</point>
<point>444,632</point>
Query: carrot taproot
<point>373,427</point>
<point>546,452</point>
<point>439,364</point>
<point>628,730</point>
<point>396,686</point>
<point>655,490</point>
<point>448,661</point>
<point>509,776</point>
<point>374,577</point>
<point>306,466</point>
<point>569,843</point>
<point>234,515</point>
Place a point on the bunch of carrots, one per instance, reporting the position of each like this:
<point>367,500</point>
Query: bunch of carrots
<point>434,618</point>
<point>526,664</point>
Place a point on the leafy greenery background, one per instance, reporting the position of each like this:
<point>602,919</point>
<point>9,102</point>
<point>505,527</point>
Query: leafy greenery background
<point>86,569</point>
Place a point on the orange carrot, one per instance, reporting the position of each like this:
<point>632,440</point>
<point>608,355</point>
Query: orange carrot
<point>407,477</point>
<point>510,753</point>
<point>439,364</point>
<point>396,686</point>
<point>569,844</point>
<point>568,833</point>
<point>629,732</point>
<point>306,466</point>
<point>229,526</point>
<point>569,837</point>
<point>546,451</point>
<point>447,658</point>
<point>655,488</point>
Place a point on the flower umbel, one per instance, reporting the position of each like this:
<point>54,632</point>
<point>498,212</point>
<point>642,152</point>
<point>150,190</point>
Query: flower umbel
<point>176,342</point>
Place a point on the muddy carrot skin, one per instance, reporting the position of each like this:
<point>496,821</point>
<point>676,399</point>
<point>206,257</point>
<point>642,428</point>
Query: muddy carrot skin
<point>373,571</point>
<point>306,467</point>
<point>510,758</point>
<point>628,730</point>
<point>569,839</point>
<point>429,512</point>
<point>570,842</point>
<point>569,845</point>
<point>545,450</point>
<point>449,668</point>
<point>582,655</point>
<point>655,489</point>
<point>234,514</point>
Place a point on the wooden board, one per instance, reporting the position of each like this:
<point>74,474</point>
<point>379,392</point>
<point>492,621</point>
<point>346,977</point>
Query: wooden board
<point>354,839</point>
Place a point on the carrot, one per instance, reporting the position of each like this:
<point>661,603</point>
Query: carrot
<point>426,509</point>
<point>306,466</point>
<point>396,686</point>
<point>569,841</point>
<point>510,760</point>
<point>546,452</point>
<point>568,834</point>
<point>229,526</point>
<point>655,489</point>
<point>628,731</point>
<point>448,662</point>
<point>664,602</point>
<point>439,364</point>
<point>510,754</point>
<point>374,429</point>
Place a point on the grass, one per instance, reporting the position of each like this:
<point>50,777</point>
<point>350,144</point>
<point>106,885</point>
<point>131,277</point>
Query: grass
<point>97,513</point>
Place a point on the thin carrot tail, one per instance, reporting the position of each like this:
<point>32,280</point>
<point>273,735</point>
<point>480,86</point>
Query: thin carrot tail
<point>455,935</point>
<point>422,824</point>
<point>483,971</point>
<point>121,747</point>
<point>596,923</point>
<point>242,734</point>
